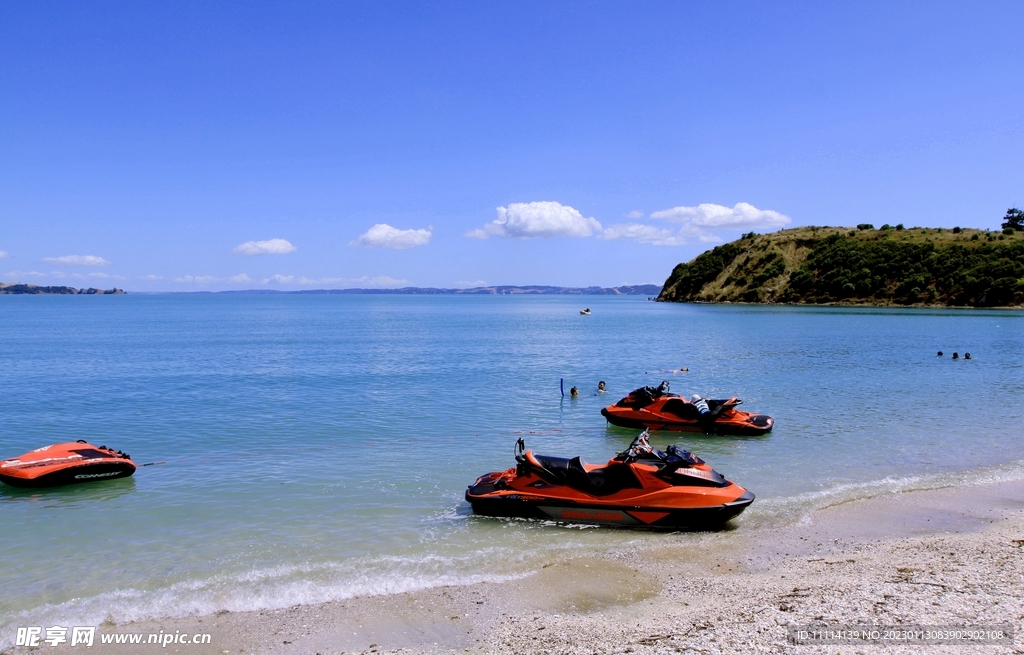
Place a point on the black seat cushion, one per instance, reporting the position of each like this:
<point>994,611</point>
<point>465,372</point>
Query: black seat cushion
<point>603,481</point>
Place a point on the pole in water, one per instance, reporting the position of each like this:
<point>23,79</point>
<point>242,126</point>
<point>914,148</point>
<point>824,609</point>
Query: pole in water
<point>561,386</point>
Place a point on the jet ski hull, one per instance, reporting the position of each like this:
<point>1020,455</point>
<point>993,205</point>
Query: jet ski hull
<point>65,463</point>
<point>561,510</point>
<point>641,419</point>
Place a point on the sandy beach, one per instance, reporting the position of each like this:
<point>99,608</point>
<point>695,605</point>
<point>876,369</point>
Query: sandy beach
<point>951,557</point>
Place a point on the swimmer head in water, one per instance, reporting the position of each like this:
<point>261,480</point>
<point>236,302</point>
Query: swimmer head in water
<point>574,392</point>
<point>600,386</point>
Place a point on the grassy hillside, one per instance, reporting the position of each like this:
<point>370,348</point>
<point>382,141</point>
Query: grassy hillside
<point>887,266</point>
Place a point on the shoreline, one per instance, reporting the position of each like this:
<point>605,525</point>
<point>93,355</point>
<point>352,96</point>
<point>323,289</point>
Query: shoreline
<point>950,556</point>
<point>839,304</point>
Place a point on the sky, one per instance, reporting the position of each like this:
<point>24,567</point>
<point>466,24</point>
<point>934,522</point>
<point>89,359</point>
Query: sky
<point>285,145</point>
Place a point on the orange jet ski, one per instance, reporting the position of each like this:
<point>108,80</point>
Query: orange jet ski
<point>66,463</point>
<point>639,487</point>
<point>657,409</point>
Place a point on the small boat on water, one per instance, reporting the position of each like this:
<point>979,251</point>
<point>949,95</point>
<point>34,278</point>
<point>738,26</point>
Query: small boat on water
<point>584,312</point>
<point>657,409</point>
<point>66,463</point>
<point>640,487</point>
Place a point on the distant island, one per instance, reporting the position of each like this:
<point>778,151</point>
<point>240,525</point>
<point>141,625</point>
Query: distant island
<point>634,290</point>
<point>15,289</point>
<point>891,265</point>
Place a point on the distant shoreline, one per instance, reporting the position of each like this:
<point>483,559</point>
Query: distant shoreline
<point>34,290</point>
<point>650,290</point>
<point>630,290</point>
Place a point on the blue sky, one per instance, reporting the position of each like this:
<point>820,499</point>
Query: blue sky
<point>184,146</point>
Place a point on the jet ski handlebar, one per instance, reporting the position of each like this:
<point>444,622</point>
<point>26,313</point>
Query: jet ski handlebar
<point>639,447</point>
<point>519,449</point>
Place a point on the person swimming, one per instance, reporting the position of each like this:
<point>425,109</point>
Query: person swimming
<point>574,393</point>
<point>939,354</point>
<point>967,355</point>
<point>600,387</point>
<point>956,356</point>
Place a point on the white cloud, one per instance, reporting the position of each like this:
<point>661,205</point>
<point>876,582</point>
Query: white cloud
<point>708,216</point>
<point>279,279</point>
<point>380,281</point>
<point>655,236</point>
<point>14,274</point>
<point>203,279</point>
<point>77,260</point>
<point>150,277</point>
<point>383,235</point>
<point>537,219</point>
<point>635,214</point>
<point>196,279</point>
<point>698,223</point>
<point>3,254</point>
<point>269,247</point>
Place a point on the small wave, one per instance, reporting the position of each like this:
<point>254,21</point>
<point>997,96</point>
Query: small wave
<point>800,507</point>
<point>266,589</point>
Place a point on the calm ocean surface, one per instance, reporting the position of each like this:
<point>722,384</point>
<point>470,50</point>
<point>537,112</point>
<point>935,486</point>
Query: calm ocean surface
<point>318,447</point>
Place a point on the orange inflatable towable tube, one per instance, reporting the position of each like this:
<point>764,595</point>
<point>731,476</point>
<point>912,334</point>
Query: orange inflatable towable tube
<point>66,463</point>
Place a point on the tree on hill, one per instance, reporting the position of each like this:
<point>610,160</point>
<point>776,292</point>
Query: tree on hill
<point>1014,219</point>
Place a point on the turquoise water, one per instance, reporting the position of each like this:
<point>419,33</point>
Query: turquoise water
<point>317,447</point>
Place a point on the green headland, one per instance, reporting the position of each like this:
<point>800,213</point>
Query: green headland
<point>860,265</point>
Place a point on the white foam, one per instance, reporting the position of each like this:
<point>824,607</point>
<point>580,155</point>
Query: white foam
<point>263,589</point>
<point>798,508</point>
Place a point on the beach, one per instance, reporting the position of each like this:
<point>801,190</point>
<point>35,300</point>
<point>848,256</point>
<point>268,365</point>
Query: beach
<point>949,557</point>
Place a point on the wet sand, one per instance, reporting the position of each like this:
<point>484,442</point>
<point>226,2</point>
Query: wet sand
<point>945,557</point>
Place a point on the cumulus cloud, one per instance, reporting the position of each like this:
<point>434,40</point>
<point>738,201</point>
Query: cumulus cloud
<point>203,279</point>
<point>648,234</point>
<point>709,216</point>
<point>383,235</point>
<point>380,281</point>
<point>268,247</point>
<point>695,223</point>
<point>150,277</point>
<point>16,274</point>
<point>196,279</point>
<point>77,260</point>
<point>635,214</point>
<point>537,219</point>
<point>3,254</point>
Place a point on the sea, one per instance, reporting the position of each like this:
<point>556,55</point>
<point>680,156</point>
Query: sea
<point>311,448</point>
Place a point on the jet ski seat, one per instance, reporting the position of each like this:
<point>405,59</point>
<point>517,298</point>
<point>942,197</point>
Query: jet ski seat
<point>603,481</point>
<point>562,469</point>
<point>680,408</point>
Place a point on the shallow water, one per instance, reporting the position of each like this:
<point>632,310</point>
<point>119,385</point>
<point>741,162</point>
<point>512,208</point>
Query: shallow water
<point>317,447</point>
